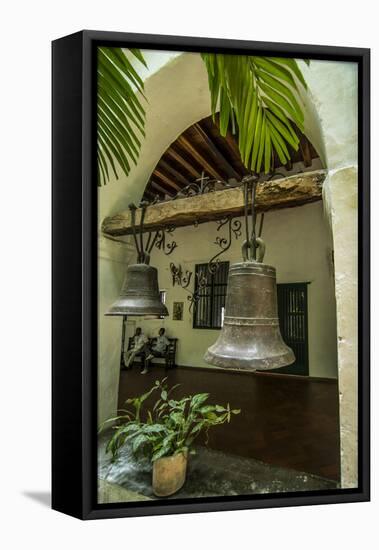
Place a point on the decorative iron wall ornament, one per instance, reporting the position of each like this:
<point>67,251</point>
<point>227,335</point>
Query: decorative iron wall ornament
<point>160,242</point>
<point>179,277</point>
<point>234,229</point>
<point>183,279</point>
<point>201,186</point>
<point>157,240</point>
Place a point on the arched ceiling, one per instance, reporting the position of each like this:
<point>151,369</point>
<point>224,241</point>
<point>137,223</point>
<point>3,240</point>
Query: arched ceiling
<point>201,149</point>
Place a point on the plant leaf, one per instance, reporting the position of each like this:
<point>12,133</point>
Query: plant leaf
<point>246,89</point>
<point>120,111</point>
<point>138,442</point>
<point>198,399</point>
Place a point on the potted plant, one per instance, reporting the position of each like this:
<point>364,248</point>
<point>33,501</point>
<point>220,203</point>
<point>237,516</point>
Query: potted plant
<point>166,432</point>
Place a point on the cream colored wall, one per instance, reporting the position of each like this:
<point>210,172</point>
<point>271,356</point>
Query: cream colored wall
<point>113,259</point>
<point>298,245</point>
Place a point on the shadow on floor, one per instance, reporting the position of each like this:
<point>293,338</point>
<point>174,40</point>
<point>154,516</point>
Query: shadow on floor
<point>42,497</point>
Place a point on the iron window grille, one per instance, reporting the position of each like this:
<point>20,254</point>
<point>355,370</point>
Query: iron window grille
<point>209,308</point>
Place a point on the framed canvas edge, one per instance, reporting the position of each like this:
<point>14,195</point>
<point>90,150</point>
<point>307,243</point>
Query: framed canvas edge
<point>88,281</point>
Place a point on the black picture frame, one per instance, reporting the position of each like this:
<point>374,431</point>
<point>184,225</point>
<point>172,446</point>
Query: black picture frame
<point>74,272</point>
<point>177,311</point>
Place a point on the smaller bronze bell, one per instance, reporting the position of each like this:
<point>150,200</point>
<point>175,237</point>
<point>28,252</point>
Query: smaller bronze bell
<point>139,294</point>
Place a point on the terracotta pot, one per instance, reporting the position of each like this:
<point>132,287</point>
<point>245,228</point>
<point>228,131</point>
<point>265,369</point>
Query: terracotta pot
<point>169,474</point>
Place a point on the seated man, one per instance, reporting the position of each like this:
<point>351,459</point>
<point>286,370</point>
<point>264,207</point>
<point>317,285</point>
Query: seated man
<point>139,347</point>
<point>159,349</point>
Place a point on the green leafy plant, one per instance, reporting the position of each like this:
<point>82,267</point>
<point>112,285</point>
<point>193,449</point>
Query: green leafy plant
<point>120,114</point>
<point>169,427</point>
<point>259,95</point>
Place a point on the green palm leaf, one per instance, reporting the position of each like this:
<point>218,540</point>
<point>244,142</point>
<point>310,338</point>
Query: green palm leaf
<point>120,114</point>
<point>261,94</point>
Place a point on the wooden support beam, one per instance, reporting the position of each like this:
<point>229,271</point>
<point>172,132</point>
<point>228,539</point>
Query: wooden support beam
<point>216,153</point>
<point>230,142</point>
<point>159,188</point>
<point>166,179</point>
<point>171,170</point>
<point>199,157</point>
<point>279,193</point>
<point>306,152</point>
<point>188,166</point>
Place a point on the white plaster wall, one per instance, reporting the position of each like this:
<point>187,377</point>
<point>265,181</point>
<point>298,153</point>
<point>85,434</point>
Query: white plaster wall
<point>333,94</point>
<point>112,262</point>
<point>298,245</point>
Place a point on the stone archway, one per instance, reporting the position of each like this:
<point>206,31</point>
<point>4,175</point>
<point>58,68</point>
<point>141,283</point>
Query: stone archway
<point>333,88</point>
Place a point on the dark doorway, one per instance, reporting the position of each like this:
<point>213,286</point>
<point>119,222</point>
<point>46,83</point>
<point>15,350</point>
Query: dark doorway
<point>293,321</point>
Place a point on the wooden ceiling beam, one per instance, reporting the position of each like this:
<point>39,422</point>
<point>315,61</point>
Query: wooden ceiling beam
<point>233,147</point>
<point>191,149</point>
<point>175,155</point>
<point>159,188</point>
<point>279,193</point>
<point>216,153</point>
<point>166,166</point>
<point>306,152</point>
<point>166,179</point>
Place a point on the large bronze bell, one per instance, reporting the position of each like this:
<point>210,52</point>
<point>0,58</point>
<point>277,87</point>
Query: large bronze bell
<point>139,294</point>
<point>250,339</point>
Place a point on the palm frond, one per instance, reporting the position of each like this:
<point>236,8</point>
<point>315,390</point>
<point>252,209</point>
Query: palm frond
<point>260,94</point>
<point>120,114</point>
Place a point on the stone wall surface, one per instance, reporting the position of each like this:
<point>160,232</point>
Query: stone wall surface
<point>333,87</point>
<point>341,191</point>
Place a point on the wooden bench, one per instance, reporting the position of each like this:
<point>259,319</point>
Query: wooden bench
<point>169,356</point>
